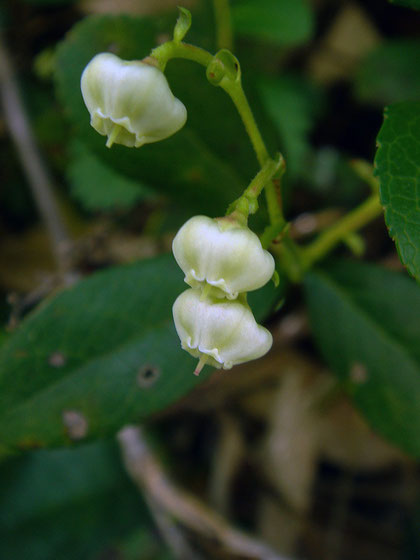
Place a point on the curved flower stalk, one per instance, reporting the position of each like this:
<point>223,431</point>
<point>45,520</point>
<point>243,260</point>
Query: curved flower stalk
<point>130,102</point>
<point>220,333</point>
<point>222,254</point>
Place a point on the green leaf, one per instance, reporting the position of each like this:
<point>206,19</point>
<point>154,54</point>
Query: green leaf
<point>365,320</point>
<point>390,73</point>
<point>88,350</point>
<point>293,105</point>
<point>191,165</point>
<point>99,187</point>
<point>145,540</point>
<point>398,169</point>
<point>329,175</point>
<point>285,22</point>
<point>97,356</point>
<point>66,503</point>
<point>415,4</point>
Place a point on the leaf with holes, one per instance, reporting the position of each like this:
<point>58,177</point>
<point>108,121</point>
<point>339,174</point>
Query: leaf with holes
<point>398,169</point>
<point>365,320</point>
<point>97,356</point>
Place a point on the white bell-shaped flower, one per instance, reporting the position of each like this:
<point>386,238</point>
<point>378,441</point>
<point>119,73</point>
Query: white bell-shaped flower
<point>225,255</point>
<point>220,333</point>
<point>130,102</point>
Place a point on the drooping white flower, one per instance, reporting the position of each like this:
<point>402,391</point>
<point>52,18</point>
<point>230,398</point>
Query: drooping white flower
<point>130,102</point>
<point>221,333</point>
<point>225,255</point>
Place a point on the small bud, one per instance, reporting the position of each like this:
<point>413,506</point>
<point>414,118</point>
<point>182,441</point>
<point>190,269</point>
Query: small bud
<point>183,24</point>
<point>130,102</point>
<point>224,68</point>
<point>227,256</point>
<point>220,333</point>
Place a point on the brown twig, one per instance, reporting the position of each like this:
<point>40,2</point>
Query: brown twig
<point>225,463</point>
<point>36,173</point>
<point>171,533</point>
<point>340,512</point>
<point>148,475</point>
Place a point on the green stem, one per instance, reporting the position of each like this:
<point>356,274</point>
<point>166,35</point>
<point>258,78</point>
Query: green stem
<point>247,203</point>
<point>364,170</point>
<point>290,256</point>
<point>240,101</point>
<point>170,50</point>
<point>294,260</point>
<point>224,35</point>
<point>267,172</point>
<point>238,97</point>
<point>338,232</point>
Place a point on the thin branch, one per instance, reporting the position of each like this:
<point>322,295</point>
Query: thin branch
<point>36,173</point>
<point>171,533</point>
<point>148,475</point>
<point>227,457</point>
<point>339,514</point>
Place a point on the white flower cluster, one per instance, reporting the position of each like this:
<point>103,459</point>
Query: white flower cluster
<point>221,261</point>
<point>131,103</point>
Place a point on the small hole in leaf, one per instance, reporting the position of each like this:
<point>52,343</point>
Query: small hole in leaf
<point>57,359</point>
<point>358,373</point>
<point>75,423</point>
<point>147,376</point>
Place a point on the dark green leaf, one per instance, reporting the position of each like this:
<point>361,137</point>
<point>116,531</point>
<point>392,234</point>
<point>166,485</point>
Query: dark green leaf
<point>99,187</point>
<point>292,104</point>
<point>398,169</point>
<point>85,350</point>
<point>285,22</point>
<point>390,73</point>
<point>329,174</point>
<point>99,355</point>
<point>415,4</point>
<point>66,504</point>
<point>365,320</point>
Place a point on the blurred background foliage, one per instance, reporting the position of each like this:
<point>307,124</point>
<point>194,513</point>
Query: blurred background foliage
<point>280,447</point>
